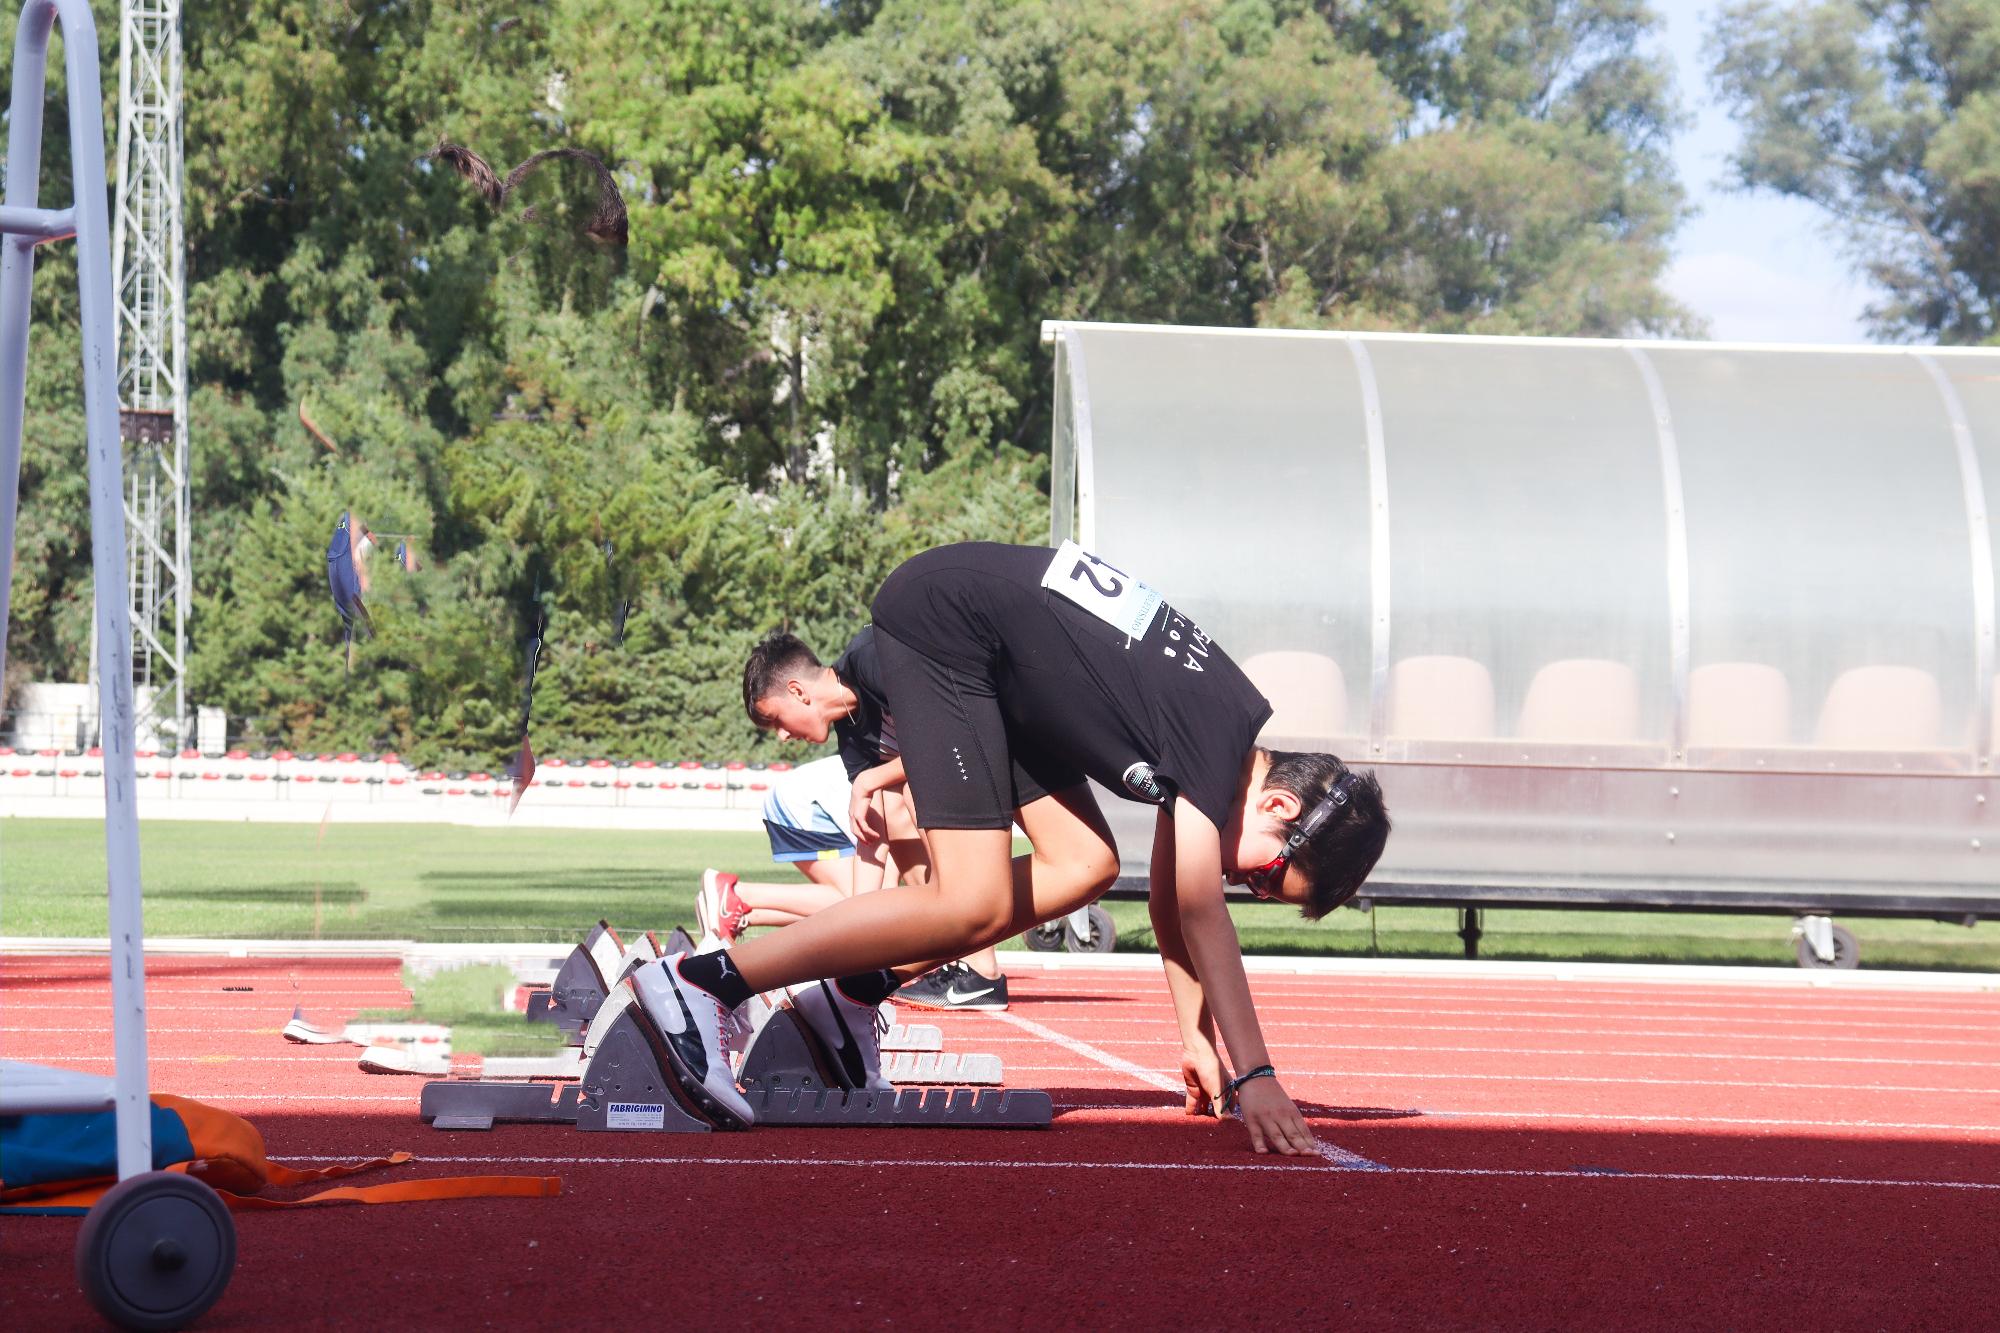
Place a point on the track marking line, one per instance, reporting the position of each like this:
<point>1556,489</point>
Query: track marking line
<point>1944,1004</point>
<point>1827,1058</point>
<point>1279,1165</point>
<point>1340,1158</point>
<point>1832,1024</point>
<point>1363,1075</point>
<point>1347,1023</point>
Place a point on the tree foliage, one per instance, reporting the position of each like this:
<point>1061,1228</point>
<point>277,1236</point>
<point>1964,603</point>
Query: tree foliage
<point>819,352</point>
<point>1887,117</point>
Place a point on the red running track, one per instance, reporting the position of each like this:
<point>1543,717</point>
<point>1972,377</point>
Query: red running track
<point>1554,1154</point>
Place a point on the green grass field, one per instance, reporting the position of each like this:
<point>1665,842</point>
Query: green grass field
<point>443,883</point>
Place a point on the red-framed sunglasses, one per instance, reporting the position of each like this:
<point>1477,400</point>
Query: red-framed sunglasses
<point>1268,879</point>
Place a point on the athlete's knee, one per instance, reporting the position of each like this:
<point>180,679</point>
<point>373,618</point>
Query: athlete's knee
<point>1085,871</point>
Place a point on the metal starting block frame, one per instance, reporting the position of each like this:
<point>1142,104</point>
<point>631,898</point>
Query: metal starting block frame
<point>591,970</point>
<point>788,1082</point>
<point>785,1079</point>
<point>581,983</point>
<point>622,1087</point>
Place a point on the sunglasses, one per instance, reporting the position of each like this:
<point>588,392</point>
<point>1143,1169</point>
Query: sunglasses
<point>1267,881</point>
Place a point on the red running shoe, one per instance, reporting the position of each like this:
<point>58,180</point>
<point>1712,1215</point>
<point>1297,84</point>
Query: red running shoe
<point>718,909</point>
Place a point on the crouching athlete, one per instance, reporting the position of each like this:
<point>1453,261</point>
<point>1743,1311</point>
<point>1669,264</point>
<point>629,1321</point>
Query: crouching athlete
<point>1015,673</point>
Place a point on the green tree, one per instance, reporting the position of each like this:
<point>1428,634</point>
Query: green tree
<point>1886,116</point>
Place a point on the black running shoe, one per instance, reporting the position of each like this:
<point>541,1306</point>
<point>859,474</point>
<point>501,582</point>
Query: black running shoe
<point>955,986</point>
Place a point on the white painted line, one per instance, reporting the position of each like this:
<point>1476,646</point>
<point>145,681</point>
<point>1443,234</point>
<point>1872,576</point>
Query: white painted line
<point>1331,1010</point>
<point>1087,990</point>
<point>1367,1075</point>
<point>1150,1078</point>
<point>1749,1057</point>
<point>1348,1023</point>
<point>1267,1164</point>
<point>1339,1156</point>
<point>1771,1121</point>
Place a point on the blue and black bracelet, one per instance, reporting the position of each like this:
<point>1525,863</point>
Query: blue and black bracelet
<point>1261,1071</point>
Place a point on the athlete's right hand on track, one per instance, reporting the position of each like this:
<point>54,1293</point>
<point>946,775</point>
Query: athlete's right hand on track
<point>1273,1120</point>
<point>1202,1071</point>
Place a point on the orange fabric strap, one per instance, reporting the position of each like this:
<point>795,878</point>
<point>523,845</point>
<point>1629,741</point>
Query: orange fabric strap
<point>411,1191</point>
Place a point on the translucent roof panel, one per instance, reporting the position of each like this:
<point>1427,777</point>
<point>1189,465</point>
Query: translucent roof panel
<point>1527,536</point>
<point>1827,539</point>
<point>1231,473</point>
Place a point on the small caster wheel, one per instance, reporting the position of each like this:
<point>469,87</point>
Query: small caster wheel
<point>1846,951</point>
<point>1103,937</point>
<point>1045,938</point>
<point>156,1251</point>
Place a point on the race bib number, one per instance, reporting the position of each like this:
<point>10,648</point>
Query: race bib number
<point>1110,594</point>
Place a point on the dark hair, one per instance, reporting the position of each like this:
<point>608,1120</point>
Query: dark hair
<point>1340,854</point>
<point>777,658</point>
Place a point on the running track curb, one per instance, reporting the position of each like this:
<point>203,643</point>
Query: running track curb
<point>426,957</point>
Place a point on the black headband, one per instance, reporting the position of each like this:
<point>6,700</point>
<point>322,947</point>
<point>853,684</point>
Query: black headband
<point>1336,797</point>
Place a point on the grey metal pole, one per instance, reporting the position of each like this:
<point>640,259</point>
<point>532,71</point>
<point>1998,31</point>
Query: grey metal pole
<point>91,215</point>
<point>95,297</point>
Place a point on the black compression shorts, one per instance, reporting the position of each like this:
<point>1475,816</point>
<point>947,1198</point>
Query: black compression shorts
<point>965,769</point>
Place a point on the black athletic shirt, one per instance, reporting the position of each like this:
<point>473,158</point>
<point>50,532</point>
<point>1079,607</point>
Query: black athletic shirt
<point>1089,665</point>
<point>867,735</point>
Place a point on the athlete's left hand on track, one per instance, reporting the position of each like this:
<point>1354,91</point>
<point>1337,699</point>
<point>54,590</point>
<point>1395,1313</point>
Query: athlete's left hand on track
<point>1274,1123</point>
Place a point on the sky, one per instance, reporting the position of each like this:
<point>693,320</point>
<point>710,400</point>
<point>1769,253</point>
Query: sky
<point>1757,267</point>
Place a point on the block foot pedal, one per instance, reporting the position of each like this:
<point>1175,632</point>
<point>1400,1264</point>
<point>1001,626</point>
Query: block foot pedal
<point>581,983</point>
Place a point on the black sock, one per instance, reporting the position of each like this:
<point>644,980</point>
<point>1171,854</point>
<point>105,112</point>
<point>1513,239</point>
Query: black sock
<point>869,987</point>
<point>716,973</point>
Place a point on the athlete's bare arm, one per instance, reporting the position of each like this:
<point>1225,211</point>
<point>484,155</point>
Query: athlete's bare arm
<point>1201,1065</point>
<point>864,811</point>
<point>1210,936</point>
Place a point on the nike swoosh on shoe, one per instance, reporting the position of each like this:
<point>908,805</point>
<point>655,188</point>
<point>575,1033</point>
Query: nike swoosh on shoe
<point>688,1046</point>
<point>957,996</point>
<point>845,1050</point>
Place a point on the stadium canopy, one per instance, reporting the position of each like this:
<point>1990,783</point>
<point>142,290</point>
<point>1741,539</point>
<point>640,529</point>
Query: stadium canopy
<point>1595,555</point>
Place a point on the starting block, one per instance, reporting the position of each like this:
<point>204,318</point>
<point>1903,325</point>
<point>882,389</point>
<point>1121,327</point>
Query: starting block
<point>592,969</point>
<point>581,983</point>
<point>625,1086</point>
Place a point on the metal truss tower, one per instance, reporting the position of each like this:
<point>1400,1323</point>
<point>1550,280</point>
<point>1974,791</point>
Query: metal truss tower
<point>149,255</point>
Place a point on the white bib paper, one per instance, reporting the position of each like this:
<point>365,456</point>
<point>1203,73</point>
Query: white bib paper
<point>1110,594</point>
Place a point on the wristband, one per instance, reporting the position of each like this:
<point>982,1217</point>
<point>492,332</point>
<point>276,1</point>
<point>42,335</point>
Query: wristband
<point>1261,1071</point>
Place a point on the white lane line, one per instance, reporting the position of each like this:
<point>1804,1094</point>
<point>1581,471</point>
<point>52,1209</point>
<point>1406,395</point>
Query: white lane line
<point>1953,1003</point>
<point>1272,1165</point>
<point>1349,1023</point>
<point>1830,1024</point>
<point>1749,1057</point>
<point>1338,1156</point>
<point>1770,1121</point>
<point>1363,1075</point>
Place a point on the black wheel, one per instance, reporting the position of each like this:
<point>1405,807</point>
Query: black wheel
<point>1045,938</point>
<point>156,1251</point>
<point>1846,951</point>
<point>1103,933</point>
